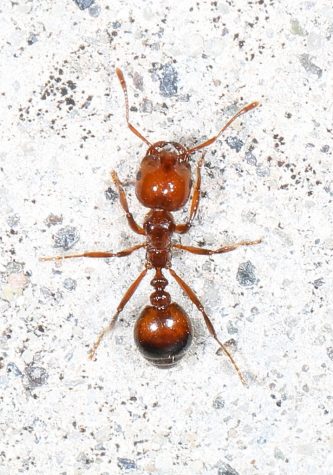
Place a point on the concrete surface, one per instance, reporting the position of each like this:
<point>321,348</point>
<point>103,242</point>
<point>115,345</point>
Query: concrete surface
<point>189,67</point>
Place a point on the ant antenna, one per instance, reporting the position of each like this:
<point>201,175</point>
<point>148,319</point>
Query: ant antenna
<point>245,109</point>
<point>130,126</point>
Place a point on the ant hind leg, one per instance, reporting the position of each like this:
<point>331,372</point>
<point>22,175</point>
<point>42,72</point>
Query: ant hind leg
<point>126,298</point>
<point>194,299</point>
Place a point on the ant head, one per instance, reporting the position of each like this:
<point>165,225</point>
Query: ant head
<point>164,178</point>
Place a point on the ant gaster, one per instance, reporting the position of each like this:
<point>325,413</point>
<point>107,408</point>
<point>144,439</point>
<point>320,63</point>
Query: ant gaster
<point>163,331</point>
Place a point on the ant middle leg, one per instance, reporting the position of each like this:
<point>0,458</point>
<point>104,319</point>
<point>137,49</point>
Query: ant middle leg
<point>95,254</point>
<point>220,250</point>
<point>184,227</point>
<point>127,296</point>
<point>123,201</point>
<point>194,299</point>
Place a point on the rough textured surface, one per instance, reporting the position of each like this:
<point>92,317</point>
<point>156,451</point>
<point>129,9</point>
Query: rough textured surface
<point>189,67</point>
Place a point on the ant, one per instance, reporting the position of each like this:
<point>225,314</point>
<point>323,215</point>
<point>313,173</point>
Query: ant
<point>163,331</point>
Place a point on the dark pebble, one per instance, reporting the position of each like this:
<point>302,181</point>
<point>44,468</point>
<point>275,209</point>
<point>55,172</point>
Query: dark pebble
<point>225,469</point>
<point>37,375</point>
<point>235,143</point>
<point>168,81</point>
<point>126,464</point>
<point>83,4</point>
<point>245,275</point>
<point>66,237</point>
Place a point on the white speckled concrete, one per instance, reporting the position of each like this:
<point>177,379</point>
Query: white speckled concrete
<point>189,67</point>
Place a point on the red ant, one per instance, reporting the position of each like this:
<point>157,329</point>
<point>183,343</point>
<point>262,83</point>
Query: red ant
<point>163,331</point>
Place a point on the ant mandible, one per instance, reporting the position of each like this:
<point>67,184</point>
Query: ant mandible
<point>163,331</point>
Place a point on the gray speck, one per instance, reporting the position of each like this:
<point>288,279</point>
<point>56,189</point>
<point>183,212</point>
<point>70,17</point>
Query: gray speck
<point>226,469</point>
<point>184,98</point>
<point>37,375</point>
<point>235,143</point>
<point>13,370</point>
<point>138,81</point>
<point>230,344</point>
<point>325,149</point>
<point>126,464</point>
<point>250,158</point>
<point>32,39</point>
<point>53,219</point>
<point>250,216</point>
<point>262,171</point>
<point>14,267</point>
<point>69,356</point>
<point>66,237</point>
<point>13,220</point>
<point>309,66</point>
<point>278,454</point>
<point>155,46</point>
<point>110,194</point>
<point>245,275</point>
<point>318,283</point>
<point>168,78</point>
<point>120,340</point>
<point>320,340</point>
<point>94,10</point>
<point>328,190</point>
<point>69,284</point>
<point>329,352</point>
<point>49,295</point>
<point>83,4</point>
<point>39,330</point>
<point>232,330</point>
<point>261,440</point>
<point>218,402</point>
<point>146,106</point>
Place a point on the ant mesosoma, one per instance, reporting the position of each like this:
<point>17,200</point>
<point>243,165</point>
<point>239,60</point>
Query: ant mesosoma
<point>163,331</point>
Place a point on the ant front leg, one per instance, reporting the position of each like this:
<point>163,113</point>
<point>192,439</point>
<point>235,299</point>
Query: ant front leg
<point>123,201</point>
<point>194,299</point>
<point>184,227</point>
<point>221,250</point>
<point>95,254</point>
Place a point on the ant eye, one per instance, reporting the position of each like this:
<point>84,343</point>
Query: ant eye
<point>138,175</point>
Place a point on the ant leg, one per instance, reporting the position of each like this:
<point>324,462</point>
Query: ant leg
<point>128,294</point>
<point>221,250</point>
<point>184,227</point>
<point>194,299</point>
<point>245,109</point>
<point>96,254</point>
<point>130,126</point>
<point>123,201</point>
